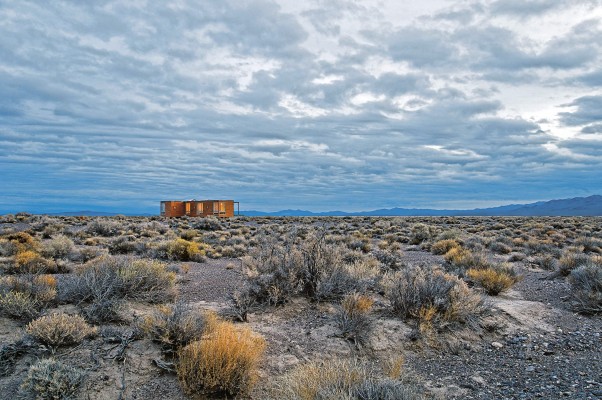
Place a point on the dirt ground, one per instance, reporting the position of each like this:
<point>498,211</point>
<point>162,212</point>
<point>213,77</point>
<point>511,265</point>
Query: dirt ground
<point>533,346</point>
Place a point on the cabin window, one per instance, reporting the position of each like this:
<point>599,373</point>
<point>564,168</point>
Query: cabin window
<point>187,208</point>
<point>215,207</point>
<point>162,208</point>
<point>222,207</point>
<point>199,208</point>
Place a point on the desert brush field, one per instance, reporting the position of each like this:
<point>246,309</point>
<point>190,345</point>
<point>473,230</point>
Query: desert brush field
<point>300,307</point>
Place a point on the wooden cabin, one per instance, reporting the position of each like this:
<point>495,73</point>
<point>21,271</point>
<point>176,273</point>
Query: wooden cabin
<point>199,208</point>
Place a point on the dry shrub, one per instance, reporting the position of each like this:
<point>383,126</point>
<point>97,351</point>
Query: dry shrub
<point>586,285</point>
<point>500,247</point>
<point>50,379</point>
<point>17,242</point>
<point>342,379</point>
<point>493,280</point>
<point>174,326</point>
<point>224,362</point>
<point>570,261</point>
<point>434,298</point>
<point>464,259</point>
<point>40,287</point>
<point>19,305</point>
<point>108,277</point>
<point>59,247</point>
<point>60,329</point>
<point>443,246</point>
<point>29,261</point>
<point>353,318</point>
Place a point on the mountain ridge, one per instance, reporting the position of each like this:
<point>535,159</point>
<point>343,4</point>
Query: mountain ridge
<point>576,206</point>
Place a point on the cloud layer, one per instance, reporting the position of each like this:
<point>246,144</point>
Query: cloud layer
<point>321,106</point>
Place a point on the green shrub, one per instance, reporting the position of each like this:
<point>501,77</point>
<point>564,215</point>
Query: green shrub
<point>50,379</point>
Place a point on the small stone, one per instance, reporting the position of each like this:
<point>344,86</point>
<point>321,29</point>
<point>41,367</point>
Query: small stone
<point>530,368</point>
<point>497,345</point>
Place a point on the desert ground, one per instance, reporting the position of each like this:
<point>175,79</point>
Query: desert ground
<point>300,308</point>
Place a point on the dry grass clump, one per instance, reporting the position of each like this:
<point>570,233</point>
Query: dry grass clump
<point>434,299</point>
<point>443,246</point>
<point>494,280</point>
<point>342,379</point>
<point>586,285</point>
<point>60,329</point>
<point>50,379</point>
<point>353,318</point>
<point>223,362</point>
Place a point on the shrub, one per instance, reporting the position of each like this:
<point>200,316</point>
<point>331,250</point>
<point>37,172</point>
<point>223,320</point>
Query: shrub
<point>19,305</point>
<point>389,260</point>
<point>102,227</point>
<point>500,248</point>
<point>18,242</point>
<point>353,319</point>
<point>59,247</point>
<point>433,298</point>
<point>420,233</point>
<point>463,258</point>
<point>50,379</point>
<point>590,244</point>
<point>109,277</point>
<point>183,250</point>
<point>125,245</point>
<point>60,329</point>
<point>342,379</point>
<point>31,262</point>
<point>586,285</point>
<point>224,362</point>
<point>175,326</point>
<point>546,262</point>
<point>570,261</point>
<point>42,288</point>
<point>493,280</point>
<point>443,246</point>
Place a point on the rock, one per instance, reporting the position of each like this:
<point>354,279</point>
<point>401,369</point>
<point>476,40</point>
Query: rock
<point>497,345</point>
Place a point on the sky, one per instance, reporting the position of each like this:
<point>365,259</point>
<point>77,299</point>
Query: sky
<point>285,104</point>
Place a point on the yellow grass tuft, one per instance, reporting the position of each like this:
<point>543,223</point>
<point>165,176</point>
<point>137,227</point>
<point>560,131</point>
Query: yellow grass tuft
<point>224,361</point>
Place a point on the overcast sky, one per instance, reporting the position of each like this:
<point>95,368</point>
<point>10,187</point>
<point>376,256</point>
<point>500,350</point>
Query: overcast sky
<point>318,105</point>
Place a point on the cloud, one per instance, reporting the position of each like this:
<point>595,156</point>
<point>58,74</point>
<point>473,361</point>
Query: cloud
<point>279,104</point>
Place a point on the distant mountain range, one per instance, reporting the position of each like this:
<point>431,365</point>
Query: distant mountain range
<point>578,206</point>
